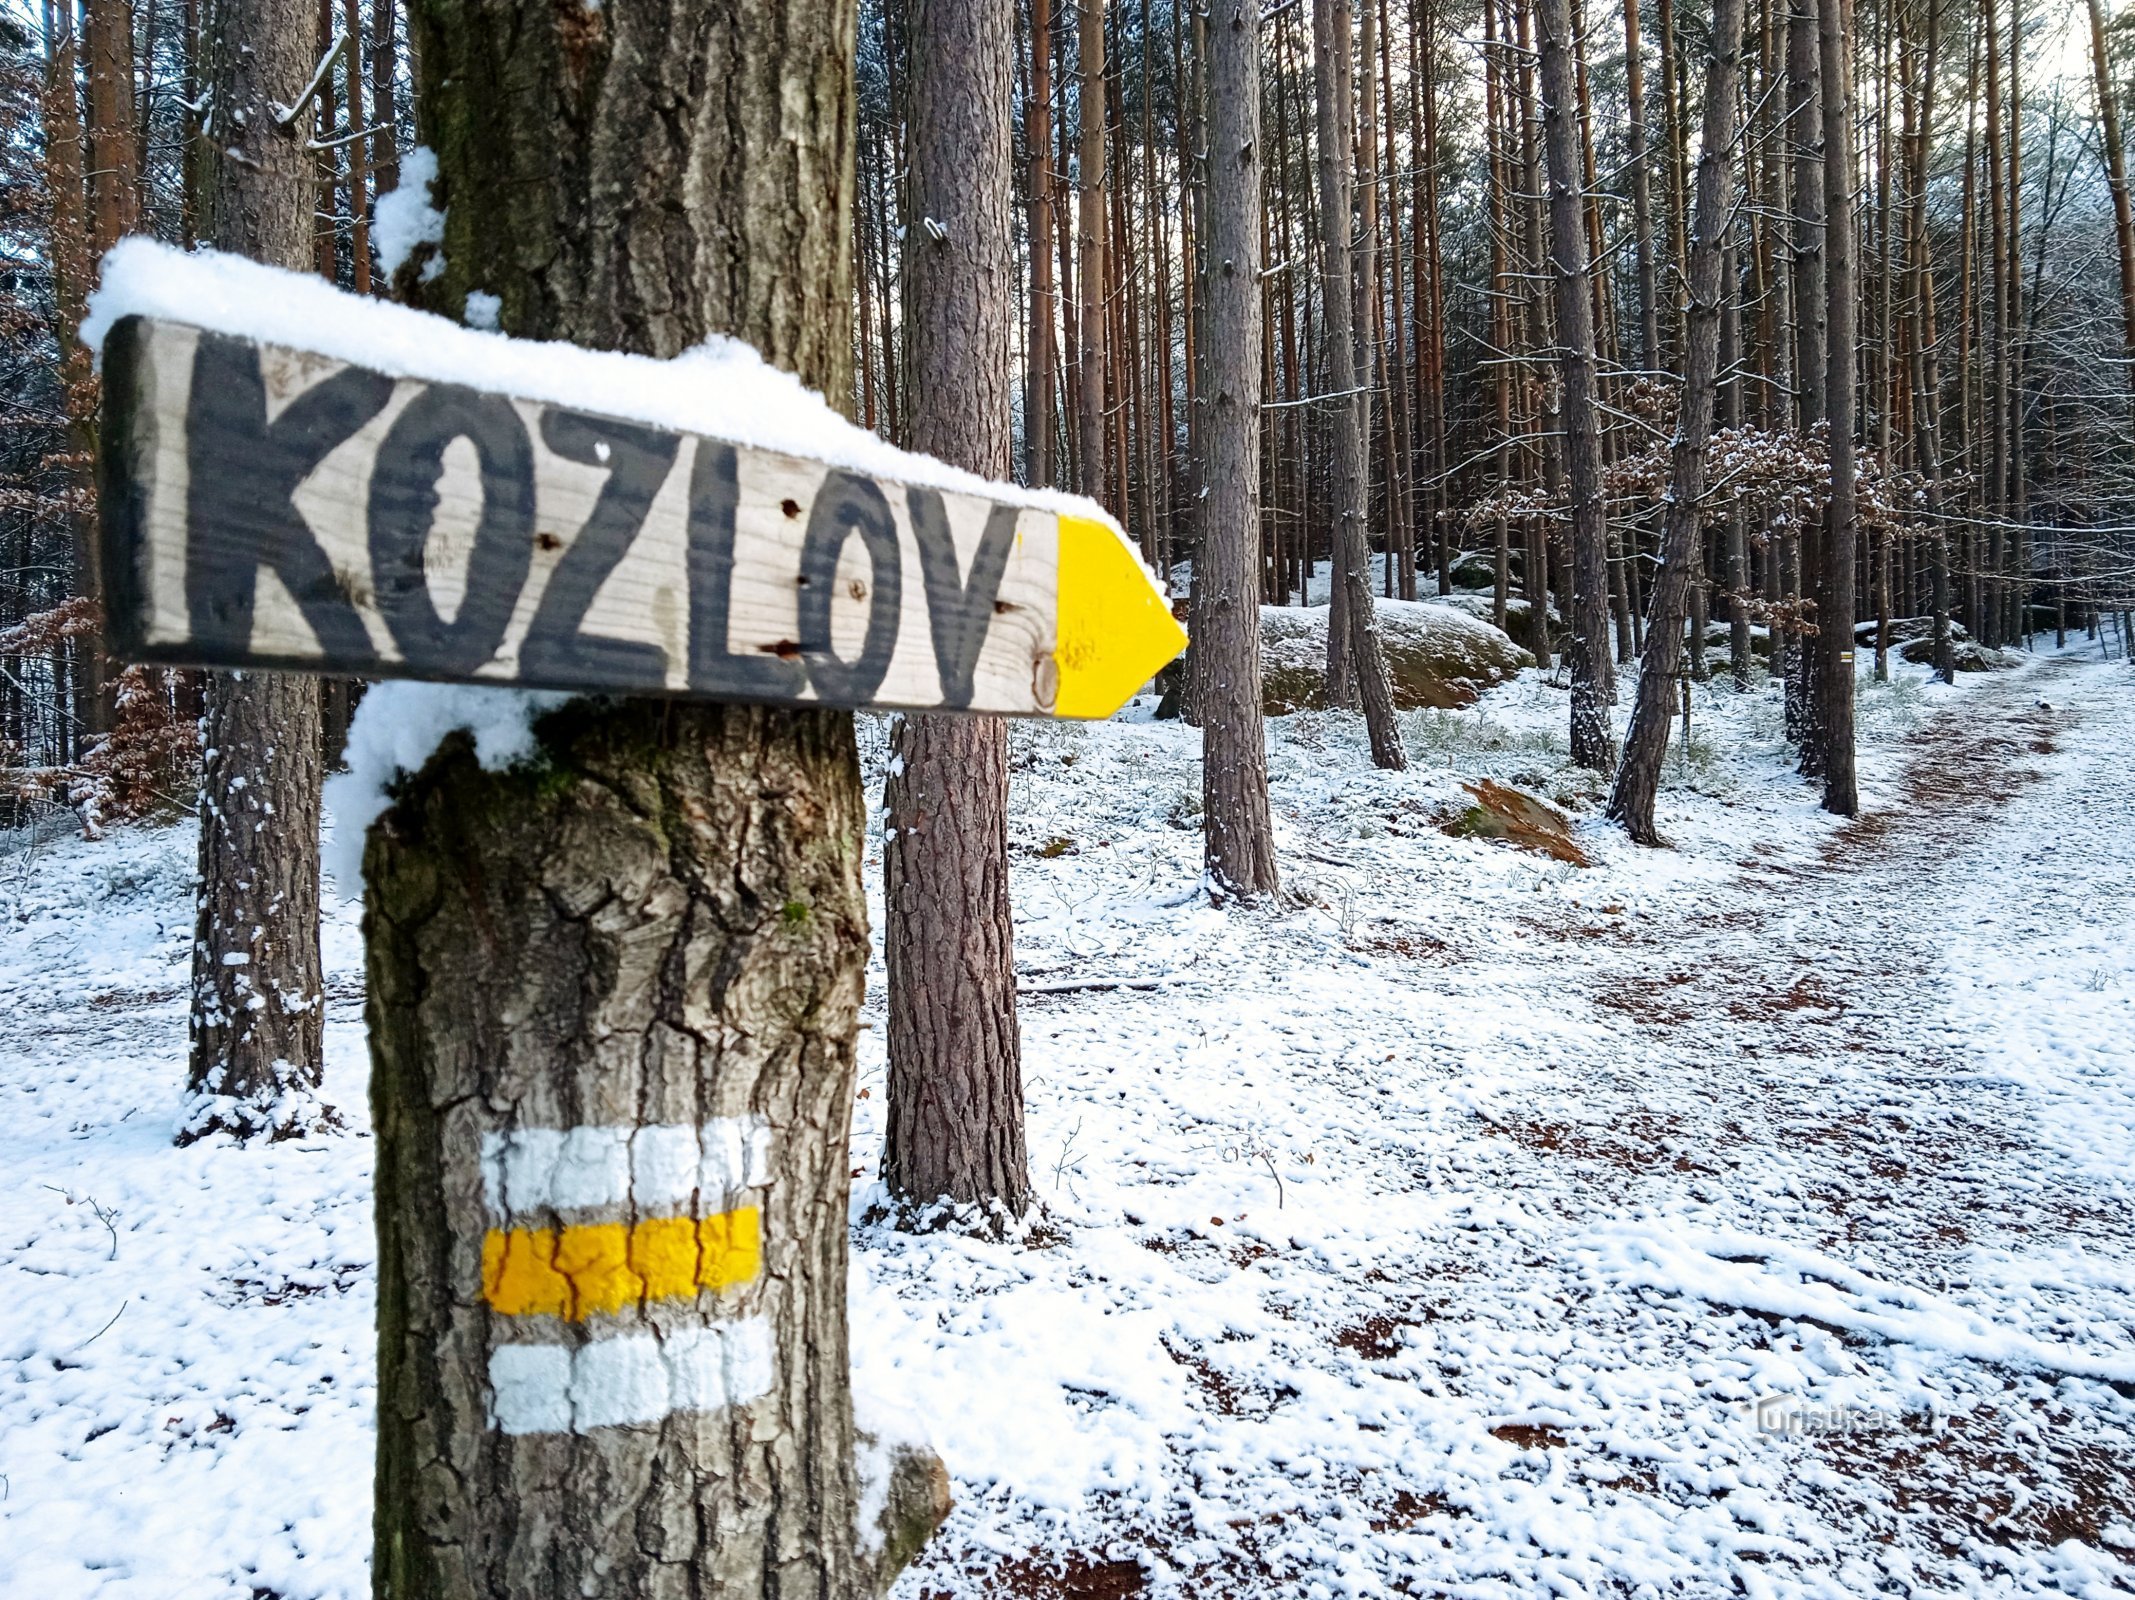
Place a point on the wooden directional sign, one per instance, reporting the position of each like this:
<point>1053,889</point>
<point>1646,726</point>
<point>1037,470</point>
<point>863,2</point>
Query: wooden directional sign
<point>273,507</point>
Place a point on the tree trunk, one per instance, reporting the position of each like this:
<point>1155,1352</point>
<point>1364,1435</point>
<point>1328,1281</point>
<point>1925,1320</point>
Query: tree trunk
<point>114,201</point>
<point>1365,660</point>
<point>257,1007</point>
<point>359,177</point>
<point>1649,308</point>
<point>636,964</point>
<point>1090,343</point>
<point>114,181</point>
<point>1835,595</point>
<point>955,1125</point>
<point>2114,154</point>
<point>1646,746</point>
<point>1499,226</point>
<point>1994,430</point>
<point>385,144</point>
<point>1805,139</point>
<point>1038,130</point>
<point>1593,740</point>
<point>1239,834</point>
<point>1738,562</point>
<point>78,695</point>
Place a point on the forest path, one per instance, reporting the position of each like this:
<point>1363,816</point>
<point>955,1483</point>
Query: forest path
<point>1747,1216</point>
<point>1814,1006</point>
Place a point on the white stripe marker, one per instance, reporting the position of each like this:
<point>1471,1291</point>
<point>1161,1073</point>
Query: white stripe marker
<point>530,1170</point>
<point>630,1378</point>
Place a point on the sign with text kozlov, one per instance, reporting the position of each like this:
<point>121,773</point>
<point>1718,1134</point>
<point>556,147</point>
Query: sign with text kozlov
<point>266,506</point>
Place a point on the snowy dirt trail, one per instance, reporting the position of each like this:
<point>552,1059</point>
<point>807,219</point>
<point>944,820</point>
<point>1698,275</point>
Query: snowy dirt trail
<point>1749,1217</point>
<point>1591,1180</point>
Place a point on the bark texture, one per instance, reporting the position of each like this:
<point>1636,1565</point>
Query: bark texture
<point>1593,740</point>
<point>1354,653</point>
<point>1090,334</point>
<point>1638,779</point>
<point>1835,599</point>
<point>1806,273</point>
<point>1238,832</point>
<point>955,1115</point>
<point>2114,155</point>
<point>656,924</point>
<point>257,1019</point>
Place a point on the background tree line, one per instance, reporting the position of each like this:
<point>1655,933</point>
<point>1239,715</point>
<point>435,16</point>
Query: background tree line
<point>1396,295</point>
<point>1991,366</point>
<point>1992,290</point>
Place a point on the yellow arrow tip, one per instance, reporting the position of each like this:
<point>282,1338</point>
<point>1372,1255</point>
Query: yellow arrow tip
<point>1114,628</point>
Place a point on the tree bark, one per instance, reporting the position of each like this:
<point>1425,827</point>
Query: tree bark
<point>955,1126</point>
<point>1923,362</point>
<point>1090,343</point>
<point>1646,746</point>
<point>2114,154</point>
<point>79,699</point>
<point>359,176</point>
<point>113,175</point>
<point>1835,595</point>
<point>385,144</point>
<point>257,1007</point>
<point>114,178</point>
<point>1593,740</point>
<point>1238,832</point>
<point>1649,309</point>
<point>1363,661</point>
<point>1807,277</point>
<point>1738,561</point>
<point>613,993</point>
<point>1038,135</point>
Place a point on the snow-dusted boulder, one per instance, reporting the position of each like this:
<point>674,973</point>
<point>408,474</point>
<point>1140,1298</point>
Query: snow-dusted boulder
<point>1438,655</point>
<point>1913,638</point>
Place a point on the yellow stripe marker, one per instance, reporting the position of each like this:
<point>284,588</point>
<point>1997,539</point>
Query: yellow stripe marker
<point>1113,628</point>
<point>576,1272</point>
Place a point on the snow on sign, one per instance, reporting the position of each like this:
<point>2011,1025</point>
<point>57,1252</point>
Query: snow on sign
<point>276,506</point>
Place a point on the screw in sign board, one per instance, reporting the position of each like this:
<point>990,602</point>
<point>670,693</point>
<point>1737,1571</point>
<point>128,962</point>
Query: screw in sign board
<point>275,507</point>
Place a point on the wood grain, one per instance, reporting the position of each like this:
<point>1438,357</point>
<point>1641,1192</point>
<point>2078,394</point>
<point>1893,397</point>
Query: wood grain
<point>271,507</point>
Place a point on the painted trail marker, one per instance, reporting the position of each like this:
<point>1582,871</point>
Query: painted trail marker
<point>267,506</point>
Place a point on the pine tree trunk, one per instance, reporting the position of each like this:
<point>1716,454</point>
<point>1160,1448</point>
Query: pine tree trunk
<point>1593,740</point>
<point>1836,594</point>
<point>1239,833</point>
<point>613,993</point>
<point>1738,562</point>
<point>1805,140</point>
<point>385,144</point>
<point>359,177</point>
<point>114,199</point>
<point>1646,746</point>
<point>1092,233</point>
<point>955,1125</point>
<point>1649,308</point>
<point>78,688</point>
<point>1995,434</point>
<point>1038,131</point>
<point>257,1007</point>
<point>1363,661</point>
<point>2114,154</point>
<point>114,181</point>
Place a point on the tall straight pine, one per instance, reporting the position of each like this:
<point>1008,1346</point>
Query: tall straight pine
<point>1593,741</point>
<point>257,1002</point>
<point>1239,833</point>
<point>955,1124</point>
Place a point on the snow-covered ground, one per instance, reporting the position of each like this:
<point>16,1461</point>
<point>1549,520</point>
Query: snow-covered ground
<point>1747,1217</point>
